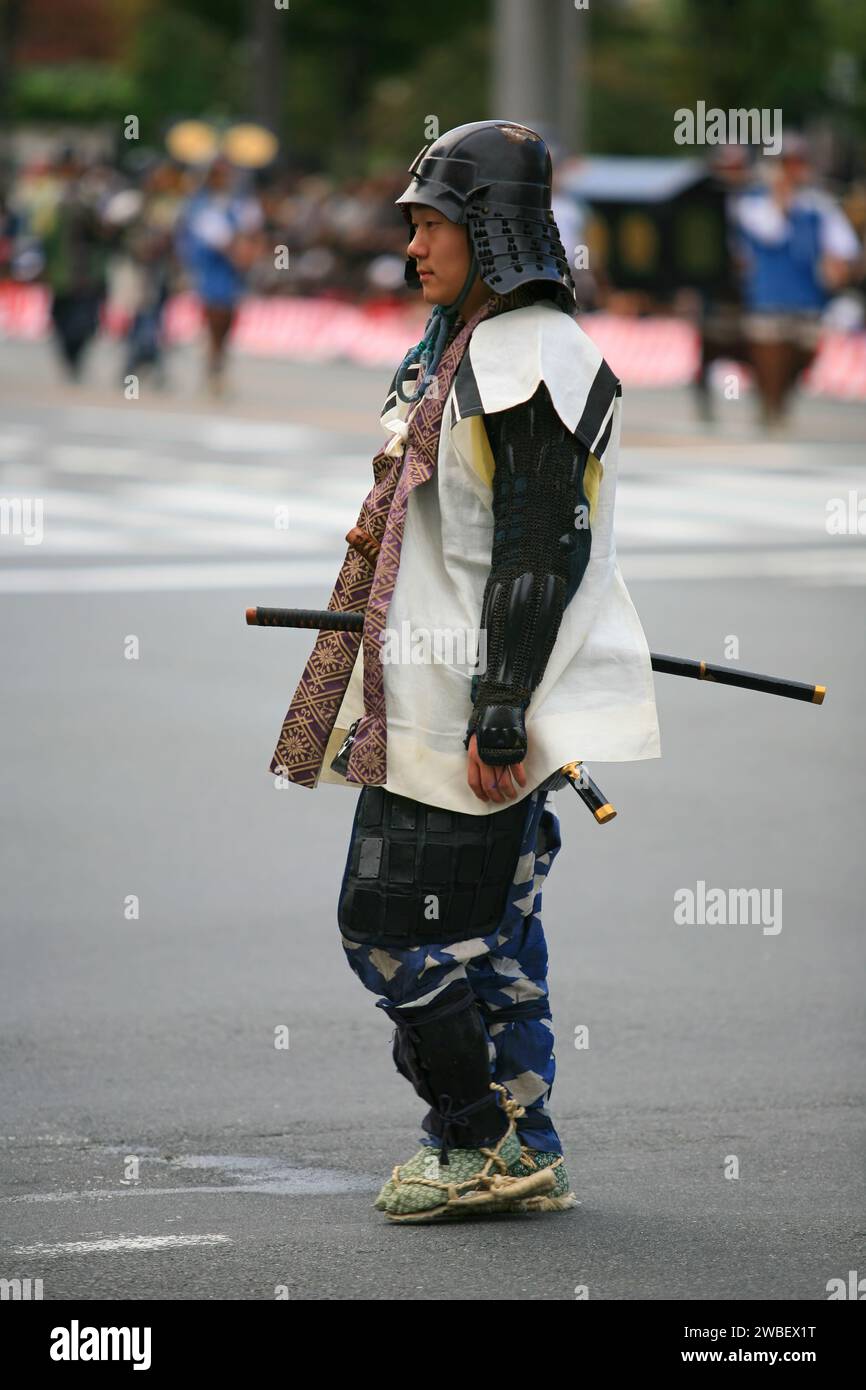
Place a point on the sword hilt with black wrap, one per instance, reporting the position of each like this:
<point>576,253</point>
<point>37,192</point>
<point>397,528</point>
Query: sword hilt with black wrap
<point>322,619</point>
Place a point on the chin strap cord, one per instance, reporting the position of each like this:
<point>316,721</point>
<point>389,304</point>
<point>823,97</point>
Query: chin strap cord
<point>428,352</point>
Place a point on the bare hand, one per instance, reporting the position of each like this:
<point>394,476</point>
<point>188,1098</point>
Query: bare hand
<point>492,783</point>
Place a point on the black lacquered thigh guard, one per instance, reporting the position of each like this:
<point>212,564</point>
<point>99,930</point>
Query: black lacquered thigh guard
<point>419,874</point>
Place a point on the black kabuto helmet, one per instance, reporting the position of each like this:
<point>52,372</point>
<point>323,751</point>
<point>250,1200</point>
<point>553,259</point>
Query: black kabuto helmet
<point>495,177</point>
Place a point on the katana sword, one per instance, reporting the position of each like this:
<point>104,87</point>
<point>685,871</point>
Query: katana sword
<point>335,620</point>
<point>341,621</point>
<point>327,619</point>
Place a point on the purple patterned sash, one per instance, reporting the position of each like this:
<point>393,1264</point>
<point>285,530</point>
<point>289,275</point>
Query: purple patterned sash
<point>311,716</point>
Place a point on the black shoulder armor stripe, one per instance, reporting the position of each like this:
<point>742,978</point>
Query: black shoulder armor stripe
<point>598,403</point>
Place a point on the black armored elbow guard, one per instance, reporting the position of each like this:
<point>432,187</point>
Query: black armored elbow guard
<point>541,548</point>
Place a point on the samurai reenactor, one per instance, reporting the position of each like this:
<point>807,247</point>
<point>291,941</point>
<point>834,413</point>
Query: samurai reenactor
<point>491,516</point>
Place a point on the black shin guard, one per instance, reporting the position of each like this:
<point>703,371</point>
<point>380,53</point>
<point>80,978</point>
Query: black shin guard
<point>441,1047</point>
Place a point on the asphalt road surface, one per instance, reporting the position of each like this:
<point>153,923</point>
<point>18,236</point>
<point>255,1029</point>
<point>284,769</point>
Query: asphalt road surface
<point>155,1142</point>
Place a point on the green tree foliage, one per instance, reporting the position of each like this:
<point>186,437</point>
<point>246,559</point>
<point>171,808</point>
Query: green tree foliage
<point>647,61</point>
<point>358,81</point>
<point>183,65</point>
<point>81,92</point>
<point>748,53</point>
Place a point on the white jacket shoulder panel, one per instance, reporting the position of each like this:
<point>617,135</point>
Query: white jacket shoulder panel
<point>511,354</point>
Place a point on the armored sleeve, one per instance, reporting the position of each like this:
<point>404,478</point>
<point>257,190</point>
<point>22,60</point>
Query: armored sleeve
<point>541,547</point>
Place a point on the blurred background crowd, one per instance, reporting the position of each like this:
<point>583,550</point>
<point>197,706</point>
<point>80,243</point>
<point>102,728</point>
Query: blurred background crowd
<point>222,149</point>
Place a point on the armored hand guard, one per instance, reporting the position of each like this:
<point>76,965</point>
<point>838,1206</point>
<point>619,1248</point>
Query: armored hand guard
<point>541,546</point>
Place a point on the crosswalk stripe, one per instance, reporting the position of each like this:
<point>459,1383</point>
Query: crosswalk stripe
<point>846,564</point>
<point>60,579</point>
<point>148,513</point>
<point>816,566</point>
<point>109,1245</point>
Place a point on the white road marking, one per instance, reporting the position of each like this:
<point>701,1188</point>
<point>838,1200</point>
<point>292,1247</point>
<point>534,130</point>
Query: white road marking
<point>720,509</point>
<point>228,434</point>
<point>110,1245</point>
<point>846,565</point>
<point>96,458</point>
<point>130,578</point>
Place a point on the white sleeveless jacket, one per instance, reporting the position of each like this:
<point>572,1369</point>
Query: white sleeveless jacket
<point>596,701</point>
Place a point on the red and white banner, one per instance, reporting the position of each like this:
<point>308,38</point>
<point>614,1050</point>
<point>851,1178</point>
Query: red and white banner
<point>643,352</point>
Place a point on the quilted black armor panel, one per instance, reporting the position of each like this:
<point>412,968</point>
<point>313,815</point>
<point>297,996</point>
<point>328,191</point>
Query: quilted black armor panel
<point>418,874</point>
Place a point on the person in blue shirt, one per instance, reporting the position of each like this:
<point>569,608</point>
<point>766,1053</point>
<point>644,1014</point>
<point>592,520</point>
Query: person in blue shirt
<point>798,250</point>
<point>218,237</point>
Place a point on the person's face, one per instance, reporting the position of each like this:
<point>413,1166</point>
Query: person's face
<point>441,252</point>
<point>218,176</point>
<point>796,169</point>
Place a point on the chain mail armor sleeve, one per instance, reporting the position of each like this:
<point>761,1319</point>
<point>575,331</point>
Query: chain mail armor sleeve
<point>541,546</point>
